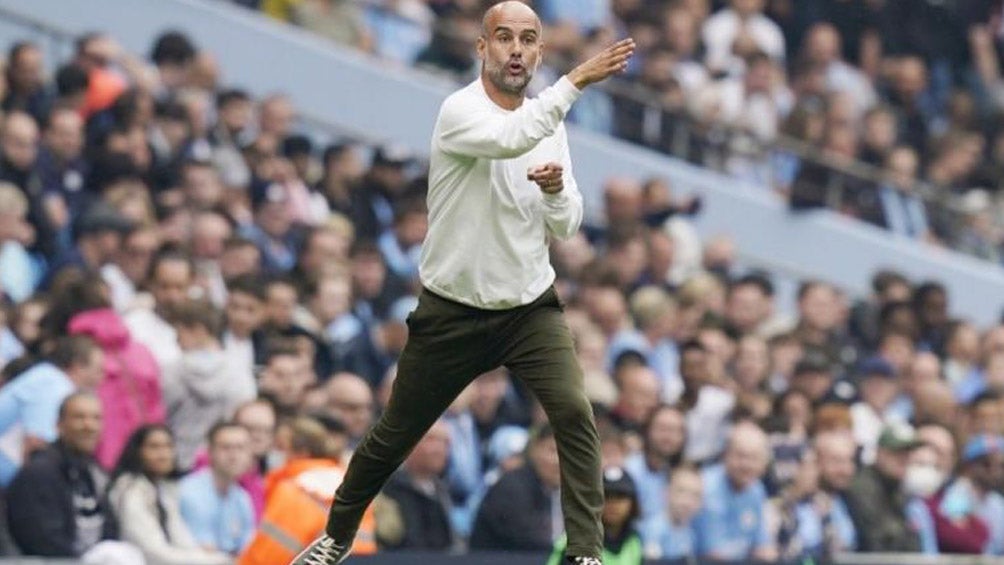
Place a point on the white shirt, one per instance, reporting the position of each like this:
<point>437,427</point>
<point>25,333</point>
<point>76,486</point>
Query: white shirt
<point>708,423</point>
<point>148,328</point>
<point>489,226</point>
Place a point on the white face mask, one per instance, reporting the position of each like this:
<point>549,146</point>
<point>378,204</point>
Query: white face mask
<point>922,480</point>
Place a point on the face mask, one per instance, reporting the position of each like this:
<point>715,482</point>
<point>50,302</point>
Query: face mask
<point>922,480</point>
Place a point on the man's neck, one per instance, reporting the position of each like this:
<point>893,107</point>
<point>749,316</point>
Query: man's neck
<point>221,482</point>
<point>655,462</point>
<point>502,99</point>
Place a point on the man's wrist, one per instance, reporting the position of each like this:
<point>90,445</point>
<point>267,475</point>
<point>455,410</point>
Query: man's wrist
<point>577,79</point>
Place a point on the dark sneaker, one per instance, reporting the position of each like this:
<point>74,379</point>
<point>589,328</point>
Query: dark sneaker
<point>323,551</point>
<point>585,561</point>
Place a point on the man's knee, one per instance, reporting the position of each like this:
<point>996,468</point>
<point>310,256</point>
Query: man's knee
<point>571,410</point>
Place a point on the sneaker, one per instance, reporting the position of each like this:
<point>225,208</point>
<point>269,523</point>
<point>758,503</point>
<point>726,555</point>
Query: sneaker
<point>585,561</point>
<point>323,551</point>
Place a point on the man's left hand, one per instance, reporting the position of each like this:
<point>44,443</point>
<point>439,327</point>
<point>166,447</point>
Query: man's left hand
<point>548,177</point>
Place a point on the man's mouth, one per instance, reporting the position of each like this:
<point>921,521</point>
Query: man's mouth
<point>515,68</point>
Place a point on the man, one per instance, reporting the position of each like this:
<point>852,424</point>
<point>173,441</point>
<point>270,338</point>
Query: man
<point>56,506</point>
<point>61,169</point>
<point>533,489</point>
<point>706,405</point>
<point>418,499</point>
<point>969,513</point>
<point>732,524</point>
<point>664,439</point>
<point>285,376</point>
<point>489,299</point>
<point>876,499</point>
<point>216,509</point>
<point>825,527</point>
<point>29,403</point>
<point>171,276</point>
<point>878,388</point>
<point>350,400</point>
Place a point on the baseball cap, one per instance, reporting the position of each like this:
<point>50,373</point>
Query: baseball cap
<point>267,193</point>
<point>393,155</point>
<point>616,481</point>
<point>100,218</point>
<point>899,437</point>
<point>982,445</point>
<point>876,366</point>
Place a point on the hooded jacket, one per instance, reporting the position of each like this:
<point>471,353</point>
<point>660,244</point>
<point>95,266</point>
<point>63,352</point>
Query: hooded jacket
<point>130,393</point>
<point>200,390</point>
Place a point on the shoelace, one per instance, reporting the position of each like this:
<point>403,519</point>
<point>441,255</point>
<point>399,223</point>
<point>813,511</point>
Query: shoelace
<point>324,553</point>
<point>587,561</point>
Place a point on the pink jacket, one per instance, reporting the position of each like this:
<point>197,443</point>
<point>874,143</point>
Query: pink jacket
<point>130,393</point>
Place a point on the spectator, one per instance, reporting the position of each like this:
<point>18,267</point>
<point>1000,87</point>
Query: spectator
<point>706,405</point>
<point>97,236</point>
<point>878,389</point>
<point>144,495</point>
<point>244,313</point>
<point>29,405</point>
<point>825,527</point>
<point>340,21</point>
<point>350,400</point>
<point>130,392</point>
<point>823,47</point>
<point>903,211</point>
<point>282,321</point>
<point>298,495</point>
<point>216,509</point>
<point>26,86</point>
<point>664,438</point>
<point>638,396</point>
<point>128,270</point>
<point>534,489</point>
<point>381,188</point>
<point>923,480</point>
<point>170,281</point>
<point>18,275</point>
<point>273,231</point>
<point>742,23</point>
<point>621,543</point>
<point>969,513</point>
<point>876,500</point>
<point>655,314</point>
<point>56,505</point>
<point>418,499</point>
<point>732,522</point>
<point>285,377</point>
<point>62,170</point>
<point>200,389</point>
<point>672,536</point>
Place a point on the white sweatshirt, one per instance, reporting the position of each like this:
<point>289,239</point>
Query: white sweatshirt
<point>487,244</point>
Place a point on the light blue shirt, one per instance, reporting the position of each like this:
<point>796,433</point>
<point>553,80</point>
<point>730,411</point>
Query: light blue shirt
<point>10,347</point>
<point>919,515</point>
<point>665,540</point>
<point>663,357</point>
<point>731,525</point>
<point>961,500</point>
<point>588,14</point>
<point>811,529</point>
<point>18,275</point>
<point>224,522</point>
<point>651,486</point>
<point>31,403</point>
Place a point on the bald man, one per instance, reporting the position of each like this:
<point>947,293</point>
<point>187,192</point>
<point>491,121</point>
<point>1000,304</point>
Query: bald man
<point>500,187</point>
<point>732,525</point>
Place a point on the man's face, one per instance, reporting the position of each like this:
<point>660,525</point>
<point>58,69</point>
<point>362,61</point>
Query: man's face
<point>639,394</point>
<point>745,463</point>
<point>667,433</point>
<point>892,463</point>
<point>694,367</point>
<point>26,69</point>
<point>244,313</point>
<point>352,403</point>
<point>432,452</point>
<point>325,248</point>
<point>746,307</point>
<point>259,420</point>
<point>836,464</point>
<point>171,283</point>
<point>80,426</point>
<point>137,252</point>
<point>90,373</point>
<point>510,48</point>
<point>65,136</point>
<point>286,378</point>
<point>544,456</point>
<point>230,452</point>
<point>281,305</point>
<point>19,141</point>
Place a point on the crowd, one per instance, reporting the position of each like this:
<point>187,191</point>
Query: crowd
<point>202,310</point>
<point>911,88</point>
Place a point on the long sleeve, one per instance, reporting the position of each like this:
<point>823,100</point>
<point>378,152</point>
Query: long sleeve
<point>563,211</point>
<point>37,514</point>
<point>471,132</point>
<point>140,526</point>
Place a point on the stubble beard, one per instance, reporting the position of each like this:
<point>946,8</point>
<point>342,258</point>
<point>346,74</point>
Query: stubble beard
<point>509,84</point>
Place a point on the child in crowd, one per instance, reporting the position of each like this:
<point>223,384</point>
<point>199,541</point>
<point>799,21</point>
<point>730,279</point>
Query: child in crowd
<point>673,538</point>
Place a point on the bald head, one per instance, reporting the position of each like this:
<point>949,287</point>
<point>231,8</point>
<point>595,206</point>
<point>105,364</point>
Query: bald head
<point>503,12</point>
<point>350,399</point>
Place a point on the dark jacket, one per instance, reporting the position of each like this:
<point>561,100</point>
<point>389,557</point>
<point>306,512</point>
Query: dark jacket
<point>425,517</point>
<point>878,509</point>
<point>40,509</point>
<point>515,515</point>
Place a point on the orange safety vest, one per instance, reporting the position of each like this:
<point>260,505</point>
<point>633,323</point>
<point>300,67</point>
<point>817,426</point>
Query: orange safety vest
<point>296,511</point>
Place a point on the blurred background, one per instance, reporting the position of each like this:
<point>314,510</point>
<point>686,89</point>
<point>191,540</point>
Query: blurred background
<point>786,295</point>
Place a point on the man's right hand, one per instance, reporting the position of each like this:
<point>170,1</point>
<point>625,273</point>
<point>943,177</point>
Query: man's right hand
<point>611,60</point>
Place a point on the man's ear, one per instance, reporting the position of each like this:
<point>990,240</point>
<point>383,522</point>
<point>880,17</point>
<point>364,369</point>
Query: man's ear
<point>480,46</point>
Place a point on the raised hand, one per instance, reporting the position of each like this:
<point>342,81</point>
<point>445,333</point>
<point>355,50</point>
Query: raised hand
<point>611,60</point>
<point>547,177</point>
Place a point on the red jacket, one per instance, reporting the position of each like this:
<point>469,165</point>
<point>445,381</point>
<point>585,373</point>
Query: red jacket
<point>957,534</point>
